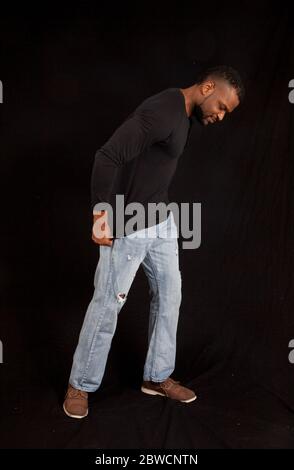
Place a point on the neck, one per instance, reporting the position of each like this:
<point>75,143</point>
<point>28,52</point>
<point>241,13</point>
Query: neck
<point>192,98</point>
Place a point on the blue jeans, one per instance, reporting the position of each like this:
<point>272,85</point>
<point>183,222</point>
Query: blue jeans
<point>115,272</point>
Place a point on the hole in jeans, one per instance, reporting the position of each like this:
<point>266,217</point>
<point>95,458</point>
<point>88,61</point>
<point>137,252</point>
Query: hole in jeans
<point>121,297</point>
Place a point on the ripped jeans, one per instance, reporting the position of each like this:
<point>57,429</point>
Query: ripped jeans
<point>115,272</point>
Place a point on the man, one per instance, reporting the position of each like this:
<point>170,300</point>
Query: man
<point>138,162</point>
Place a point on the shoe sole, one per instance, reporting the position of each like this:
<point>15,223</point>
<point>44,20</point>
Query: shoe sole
<point>153,392</point>
<point>74,416</point>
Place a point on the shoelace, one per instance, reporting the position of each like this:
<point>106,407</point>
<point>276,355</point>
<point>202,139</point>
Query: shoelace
<point>169,383</point>
<point>77,394</point>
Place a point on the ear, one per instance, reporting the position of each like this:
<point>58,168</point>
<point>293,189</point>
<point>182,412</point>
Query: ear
<point>207,87</point>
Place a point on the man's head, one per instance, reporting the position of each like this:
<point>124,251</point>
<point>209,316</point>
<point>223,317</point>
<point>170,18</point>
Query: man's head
<point>218,91</point>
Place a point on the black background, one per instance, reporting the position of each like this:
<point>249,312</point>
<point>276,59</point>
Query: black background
<point>70,76</point>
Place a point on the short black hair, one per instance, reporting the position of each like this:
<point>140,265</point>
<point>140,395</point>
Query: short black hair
<point>226,73</point>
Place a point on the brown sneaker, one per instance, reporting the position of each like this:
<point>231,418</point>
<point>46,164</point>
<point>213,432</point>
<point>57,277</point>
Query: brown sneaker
<point>169,388</point>
<point>75,403</point>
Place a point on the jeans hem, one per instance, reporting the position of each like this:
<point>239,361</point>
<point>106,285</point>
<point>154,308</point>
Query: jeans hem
<point>152,379</point>
<point>83,388</point>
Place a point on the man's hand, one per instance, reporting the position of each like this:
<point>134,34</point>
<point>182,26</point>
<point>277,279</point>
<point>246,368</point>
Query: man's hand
<point>101,233</point>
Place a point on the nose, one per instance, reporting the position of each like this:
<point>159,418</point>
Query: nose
<point>221,115</point>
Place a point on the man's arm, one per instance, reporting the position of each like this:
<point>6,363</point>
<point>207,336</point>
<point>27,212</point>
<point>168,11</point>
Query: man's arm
<point>139,131</point>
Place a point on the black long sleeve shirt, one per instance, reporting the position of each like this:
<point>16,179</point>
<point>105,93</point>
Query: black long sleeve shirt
<point>139,160</point>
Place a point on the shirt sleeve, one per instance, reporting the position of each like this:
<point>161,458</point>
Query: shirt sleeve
<point>143,128</point>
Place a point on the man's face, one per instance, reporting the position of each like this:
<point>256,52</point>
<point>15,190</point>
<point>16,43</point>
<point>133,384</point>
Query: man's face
<point>219,98</point>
